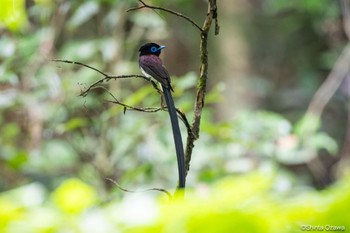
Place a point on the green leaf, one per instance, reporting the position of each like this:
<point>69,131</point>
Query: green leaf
<point>75,123</point>
<point>323,141</point>
<point>307,125</point>
<point>18,160</point>
<point>73,196</point>
<point>13,14</point>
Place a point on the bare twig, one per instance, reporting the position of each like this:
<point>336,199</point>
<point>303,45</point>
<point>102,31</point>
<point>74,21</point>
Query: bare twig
<point>166,10</point>
<point>80,64</point>
<point>181,115</point>
<point>133,191</point>
<point>128,107</point>
<point>107,77</point>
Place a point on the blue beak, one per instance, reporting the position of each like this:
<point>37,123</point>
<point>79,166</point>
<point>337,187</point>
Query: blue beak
<point>161,47</point>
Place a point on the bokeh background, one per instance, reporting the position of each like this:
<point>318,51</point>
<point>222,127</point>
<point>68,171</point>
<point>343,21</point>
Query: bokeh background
<point>266,160</point>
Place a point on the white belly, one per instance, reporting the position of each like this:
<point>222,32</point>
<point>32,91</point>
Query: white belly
<point>144,73</point>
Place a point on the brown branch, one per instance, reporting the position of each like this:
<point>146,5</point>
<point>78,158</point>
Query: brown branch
<point>181,115</point>
<point>80,64</point>
<point>202,82</point>
<point>166,10</point>
<point>133,191</point>
<point>107,77</point>
<point>128,107</point>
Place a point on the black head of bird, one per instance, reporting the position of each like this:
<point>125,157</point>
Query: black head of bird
<point>152,66</point>
<point>151,49</point>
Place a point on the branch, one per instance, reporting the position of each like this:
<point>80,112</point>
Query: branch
<point>202,82</point>
<point>132,191</point>
<point>181,115</point>
<point>80,64</point>
<point>166,10</point>
<point>107,77</point>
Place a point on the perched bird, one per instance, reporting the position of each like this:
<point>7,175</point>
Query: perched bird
<point>152,66</point>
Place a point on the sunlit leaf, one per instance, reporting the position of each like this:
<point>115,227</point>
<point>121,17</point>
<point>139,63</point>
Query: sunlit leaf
<point>73,196</point>
<point>308,124</point>
<point>75,123</point>
<point>323,141</point>
<point>13,14</point>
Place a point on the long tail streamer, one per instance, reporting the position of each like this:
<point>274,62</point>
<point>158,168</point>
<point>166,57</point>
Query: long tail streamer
<point>177,136</point>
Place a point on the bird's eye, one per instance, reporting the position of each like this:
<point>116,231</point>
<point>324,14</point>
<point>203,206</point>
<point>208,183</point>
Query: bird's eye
<point>154,49</point>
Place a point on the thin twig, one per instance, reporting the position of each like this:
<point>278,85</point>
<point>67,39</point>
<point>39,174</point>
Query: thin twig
<point>108,77</point>
<point>80,64</point>
<point>128,107</point>
<point>146,190</point>
<point>166,10</point>
<point>186,122</point>
<point>181,115</point>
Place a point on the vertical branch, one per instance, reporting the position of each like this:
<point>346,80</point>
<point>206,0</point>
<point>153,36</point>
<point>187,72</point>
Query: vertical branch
<point>202,82</point>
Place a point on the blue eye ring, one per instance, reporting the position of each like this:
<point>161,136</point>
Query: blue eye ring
<point>154,49</point>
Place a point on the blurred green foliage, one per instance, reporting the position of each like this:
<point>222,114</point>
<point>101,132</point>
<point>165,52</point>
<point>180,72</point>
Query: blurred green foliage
<point>243,204</point>
<point>13,14</point>
<point>56,148</point>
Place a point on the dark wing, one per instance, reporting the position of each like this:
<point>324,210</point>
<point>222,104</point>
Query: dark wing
<point>153,66</point>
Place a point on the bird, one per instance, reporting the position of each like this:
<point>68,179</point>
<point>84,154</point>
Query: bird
<point>152,67</point>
